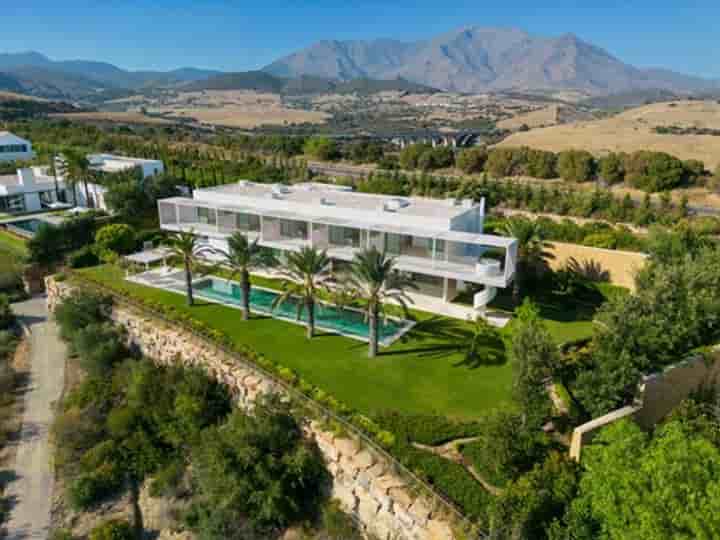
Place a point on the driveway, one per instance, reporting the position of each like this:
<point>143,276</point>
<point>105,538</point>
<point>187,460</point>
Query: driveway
<point>30,490</point>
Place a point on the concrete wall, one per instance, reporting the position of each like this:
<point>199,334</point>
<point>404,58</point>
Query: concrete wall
<point>620,266</point>
<point>362,479</point>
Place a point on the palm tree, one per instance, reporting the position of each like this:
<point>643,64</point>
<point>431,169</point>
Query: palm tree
<point>184,246</point>
<point>375,281</point>
<point>307,271</point>
<point>78,170</point>
<point>531,249</point>
<point>242,257</point>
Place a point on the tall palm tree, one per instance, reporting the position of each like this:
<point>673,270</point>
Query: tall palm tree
<point>375,282</point>
<point>243,256</point>
<point>184,246</point>
<point>78,171</point>
<point>531,249</point>
<point>306,271</point>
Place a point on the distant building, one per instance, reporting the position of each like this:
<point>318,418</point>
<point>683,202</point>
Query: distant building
<point>108,163</point>
<point>13,148</point>
<point>30,190</point>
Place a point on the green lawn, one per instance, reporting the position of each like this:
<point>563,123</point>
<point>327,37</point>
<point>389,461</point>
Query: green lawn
<point>423,372</point>
<point>12,244</point>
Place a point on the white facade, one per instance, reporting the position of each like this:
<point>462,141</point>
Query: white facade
<point>438,242</point>
<point>110,163</point>
<point>13,148</point>
<point>30,190</point>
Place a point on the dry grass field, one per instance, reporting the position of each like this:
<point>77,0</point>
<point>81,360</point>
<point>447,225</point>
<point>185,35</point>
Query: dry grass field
<point>12,96</point>
<point>633,130</point>
<point>533,119</point>
<point>119,117</point>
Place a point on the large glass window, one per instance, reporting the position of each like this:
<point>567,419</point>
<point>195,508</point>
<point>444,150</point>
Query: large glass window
<point>13,148</point>
<point>293,229</point>
<point>12,203</point>
<point>207,215</point>
<point>248,222</point>
<point>344,236</point>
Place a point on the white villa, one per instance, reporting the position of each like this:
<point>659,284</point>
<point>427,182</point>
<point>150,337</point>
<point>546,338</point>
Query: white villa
<point>31,190</point>
<point>439,243</point>
<point>13,148</point>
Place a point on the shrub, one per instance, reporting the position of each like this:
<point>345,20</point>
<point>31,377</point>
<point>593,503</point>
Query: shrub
<point>99,347</point>
<point>506,162</point>
<point>89,489</point>
<point>611,168</point>
<point>113,530</point>
<point>79,310</point>
<point>6,315</point>
<point>84,257</point>
<point>472,160</point>
<point>576,165</point>
<point>117,238</point>
<point>322,148</point>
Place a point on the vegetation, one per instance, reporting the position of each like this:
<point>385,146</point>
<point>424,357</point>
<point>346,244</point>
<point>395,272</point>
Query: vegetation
<point>114,240</point>
<point>52,243</point>
<point>184,246</point>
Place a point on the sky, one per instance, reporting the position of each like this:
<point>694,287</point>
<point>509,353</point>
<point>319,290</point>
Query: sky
<point>683,35</point>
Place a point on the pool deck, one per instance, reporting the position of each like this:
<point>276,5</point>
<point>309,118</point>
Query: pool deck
<point>172,279</point>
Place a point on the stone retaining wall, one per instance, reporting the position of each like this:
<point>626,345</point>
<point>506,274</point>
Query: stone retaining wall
<point>362,479</point>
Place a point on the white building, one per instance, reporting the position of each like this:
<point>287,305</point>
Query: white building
<point>438,242</point>
<point>30,190</point>
<point>13,148</point>
<point>109,163</point>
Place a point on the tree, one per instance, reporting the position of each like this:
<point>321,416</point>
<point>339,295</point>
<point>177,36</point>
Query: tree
<point>635,486</point>
<point>322,148</point>
<point>184,246</point>
<point>531,249</point>
<point>46,246</point>
<point>410,155</point>
<point>576,165</point>
<point>505,162</point>
<point>255,467</point>
<point>472,160</point>
<point>113,530</point>
<point>611,168</point>
<point>305,272</point>
<point>78,171</point>
<point>242,257</point>
<point>541,164</point>
<point>375,281</point>
<point>535,358</point>
<point>117,238</point>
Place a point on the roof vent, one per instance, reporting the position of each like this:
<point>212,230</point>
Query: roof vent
<point>393,205</point>
<point>326,202</point>
<point>280,189</point>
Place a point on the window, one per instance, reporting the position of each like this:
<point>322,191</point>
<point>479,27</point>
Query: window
<point>206,215</point>
<point>344,236</point>
<point>13,148</point>
<point>247,222</point>
<point>293,229</point>
<point>12,203</point>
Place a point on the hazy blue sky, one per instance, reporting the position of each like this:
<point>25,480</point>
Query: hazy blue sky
<point>236,35</point>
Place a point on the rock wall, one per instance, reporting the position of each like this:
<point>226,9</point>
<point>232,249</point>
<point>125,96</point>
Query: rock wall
<point>363,481</point>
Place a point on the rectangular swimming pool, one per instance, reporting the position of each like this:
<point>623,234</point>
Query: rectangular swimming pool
<point>25,227</point>
<point>345,321</point>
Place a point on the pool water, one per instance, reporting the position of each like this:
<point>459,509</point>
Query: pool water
<point>327,317</point>
<point>27,225</point>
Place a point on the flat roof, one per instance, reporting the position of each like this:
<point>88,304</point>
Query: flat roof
<point>321,195</point>
<point>113,157</point>
<point>449,236</point>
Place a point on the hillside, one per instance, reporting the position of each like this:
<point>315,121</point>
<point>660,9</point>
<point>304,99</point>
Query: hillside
<point>260,81</point>
<point>477,59</point>
<point>634,130</point>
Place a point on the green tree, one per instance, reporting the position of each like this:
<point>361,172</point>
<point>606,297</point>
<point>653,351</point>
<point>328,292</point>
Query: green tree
<point>78,172</point>
<point>531,250</point>
<point>184,246</point>
<point>242,257</point>
<point>117,238</point>
<point>255,467</point>
<point>635,486</point>
<point>541,164</point>
<point>46,246</point>
<point>576,165</point>
<point>472,160</point>
<point>375,282</point>
<point>305,272</point>
<point>410,155</point>
<point>322,148</point>
<point>503,162</point>
<point>611,168</point>
<point>113,530</point>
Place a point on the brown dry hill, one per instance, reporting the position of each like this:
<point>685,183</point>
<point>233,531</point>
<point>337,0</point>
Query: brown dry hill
<point>633,130</point>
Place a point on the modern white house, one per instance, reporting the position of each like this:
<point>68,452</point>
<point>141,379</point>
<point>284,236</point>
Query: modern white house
<point>109,163</point>
<point>31,190</point>
<point>439,243</point>
<point>14,148</point>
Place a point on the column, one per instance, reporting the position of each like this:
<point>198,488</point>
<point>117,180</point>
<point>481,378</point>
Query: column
<point>445,290</point>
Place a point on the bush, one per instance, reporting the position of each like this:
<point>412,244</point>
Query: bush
<point>117,238</point>
<point>472,160</point>
<point>506,162</point>
<point>90,489</point>
<point>99,347</point>
<point>6,314</point>
<point>425,428</point>
<point>576,165</point>
<point>79,310</point>
<point>322,148</point>
<point>84,257</point>
<point>113,530</point>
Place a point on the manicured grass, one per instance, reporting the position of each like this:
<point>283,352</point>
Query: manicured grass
<point>11,244</point>
<point>423,372</point>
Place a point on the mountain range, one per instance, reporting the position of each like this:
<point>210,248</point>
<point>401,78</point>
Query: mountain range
<point>472,59</point>
<point>478,59</point>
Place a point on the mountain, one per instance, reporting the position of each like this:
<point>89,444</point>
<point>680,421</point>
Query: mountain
<point>39,75</point>
<point>477,59</point>
<point>262,81</point>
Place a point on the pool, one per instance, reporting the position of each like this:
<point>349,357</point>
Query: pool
<point>345,321</point>
<point>25,227</point>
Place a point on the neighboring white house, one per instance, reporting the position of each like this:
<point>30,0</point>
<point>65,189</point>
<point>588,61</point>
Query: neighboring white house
<point>109,163</point>
<point>30,190</point>
<point>439,243</point>
<point>13,148</point>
